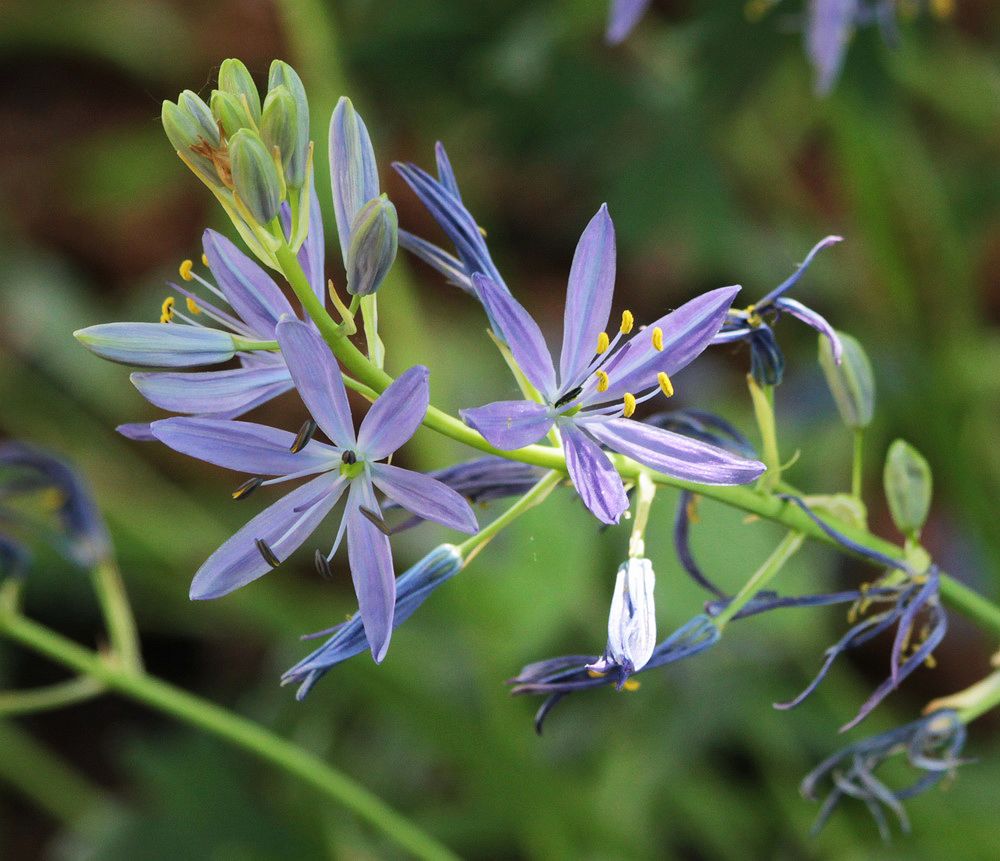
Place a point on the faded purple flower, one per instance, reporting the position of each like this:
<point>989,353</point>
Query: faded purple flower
<point>351,464</point>
<point>599,386</point>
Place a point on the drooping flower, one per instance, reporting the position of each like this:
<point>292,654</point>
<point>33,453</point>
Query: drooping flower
<point>631,622</point>
<point>555,678</point>
<point>350,464</point>
<point>348,639</point>
<point>750,324</point>
<point>932,745</point>
<point>622,18</point>
<point>599,386</point>
<point>244,309</point>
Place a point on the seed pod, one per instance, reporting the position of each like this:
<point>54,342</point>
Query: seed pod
<point>374,242</point>
<point>908,486</point>
<point>235,79</point>
<point>255,176</point>
<point>851,383</point>
<point>282,74</point>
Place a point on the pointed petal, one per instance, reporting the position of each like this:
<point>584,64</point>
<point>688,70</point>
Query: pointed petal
<point>520,332</point>
<point>243,446</point>
<point>157,345</point>
<point>246,286</point>
<point>207,391</point>
<point>451,267</point>
<point>353,172</point>
<point>425,496</point>
<point>446,176</point>
<point>686,333</point>
<point>792,279</point>
<point>317,378</point>
<point>588,298</point>
<point>284,526</point>
<point>817,321</point>
<point>370,558</point>
<point>829,24</point>
<point>395,415</point>
<point>137,431</point>
<point>312,254</point>
<point>623,17</point>
<point>593,476</point>
<point>673,453</point>
<point>509,424</point>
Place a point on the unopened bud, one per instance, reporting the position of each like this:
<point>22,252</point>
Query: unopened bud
<point>908,485</point>
<point>353,173</point>
<point>282,74</point>
<point>851,383</point>
<point>255,176</point>
<point>230,112</point>
<point>191,133</point>
<point>278,127</point>
<point>374,242</point>
<point>234,78</point>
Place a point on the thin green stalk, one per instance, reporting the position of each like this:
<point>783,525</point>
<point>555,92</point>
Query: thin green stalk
<point>761,577</point>
<point>643,503</point>
<point>233,728</point>
<point>856,464</point>
<point>117,612</point>
<point>244,345</point>
<point>982,697</point>
<point>50,697</point>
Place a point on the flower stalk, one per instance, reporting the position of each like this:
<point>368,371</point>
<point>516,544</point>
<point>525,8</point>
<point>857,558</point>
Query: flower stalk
<point>761,577</point>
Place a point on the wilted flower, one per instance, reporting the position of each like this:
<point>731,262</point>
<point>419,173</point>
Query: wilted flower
<point>246,308</point>
<point>932,745</point>
<point>557,677</point>
<point>599,386</point>
<point>348,639</point>
<point>750,324</point>
<point>350,464</point>
<point>631,622</point>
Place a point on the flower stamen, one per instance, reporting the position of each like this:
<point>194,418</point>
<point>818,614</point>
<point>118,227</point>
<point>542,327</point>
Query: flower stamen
<point>629,404</point>
<point>602,381</point>
<point>167,310</point>
<point>267,552</point>
<point>628,321</point>
<point>303,437</point>
<point>192,306</point>
<point>603,342</point>
<point>248,487</point>
<point>658,339</point>
<point>666,386</point>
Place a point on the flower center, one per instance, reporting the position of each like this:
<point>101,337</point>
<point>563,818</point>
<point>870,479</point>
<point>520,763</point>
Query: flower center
<point>350,466</point>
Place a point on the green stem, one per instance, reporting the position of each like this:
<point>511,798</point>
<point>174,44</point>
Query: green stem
<point>762,504</point>
<point>761,577</point>
<point>643,503</point>
<point>122,631</point>
<point>856,473</point>
<point>50,697</point>
<point>233,728</point>
<point>982,697</point>
<point>244,345</point>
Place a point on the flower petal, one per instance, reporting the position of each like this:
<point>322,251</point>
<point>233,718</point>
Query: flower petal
<point>446,176</point>
<point>595,479</point>
<point>623,17</point>
<point>829,24</point>
<point>246,286</point>
<point>686,332</point>
<point>792,279</point>
<point>312,254</point>
<point>353,172</point>
<point>283,526</point>
<point>817,321</point>
<point>588,297</point>
<point>208,391</point>
<point>370,558</point>
<point>520,332</point>
<point>317,378</point>
<point>509,424</point>
<point>673,453</point>
<point>243,446</point>
<point>136,431</point>
<point>425,496</point>
<point>157,345</point>
<point>451,267</point>
<point>395,415</point>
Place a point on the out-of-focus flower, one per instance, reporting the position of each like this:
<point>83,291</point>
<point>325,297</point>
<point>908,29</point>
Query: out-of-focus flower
<point>631,622</point>
<point>931,745</point>
<point>556,677</point>
<point>348,639</point>
<point>351,464</point>
<point>751,324</point>
<point>908,485</point>
<point>622,18</point>
<point>599,386</point>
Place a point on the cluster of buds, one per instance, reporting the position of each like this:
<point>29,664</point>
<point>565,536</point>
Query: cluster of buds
<point>254,156</point>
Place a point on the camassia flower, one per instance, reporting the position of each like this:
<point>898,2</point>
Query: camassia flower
<point>631,622</point>
<point>600,386</point>
<point>245,307</point>
<point>351,464</point>
<point>622,18</point>
<point>751,324</point>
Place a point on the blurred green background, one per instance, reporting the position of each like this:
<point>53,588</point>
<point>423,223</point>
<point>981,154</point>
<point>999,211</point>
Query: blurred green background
<point>719,167</point>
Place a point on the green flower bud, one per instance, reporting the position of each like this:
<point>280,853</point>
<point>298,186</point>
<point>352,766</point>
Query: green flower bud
<point>255,175</point>
<point>851,383</point>
<point>908,485</point>
<point>230,112</point>
<point>282,74</point>
<point>190,134</point>
<point>278,126</point>
<point>193,105</point>
<point>374,241</point>
<point>235,79</point>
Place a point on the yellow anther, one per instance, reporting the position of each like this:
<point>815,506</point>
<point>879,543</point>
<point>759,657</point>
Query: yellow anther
<point>628,321</point>
<point>657,339</point>
<point>185,269</point>
<point>595,675</point>
<point>629,404</point>
<point>192,306</point>
<point>204,260</point>
<point>603,342</point>
<point>167,310</point>
<point>602,381</point>
<point>482,230</point>
<point>631,685</point>
<point>666,386</point>
<point>943,8</point>
<point>930,662</point>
